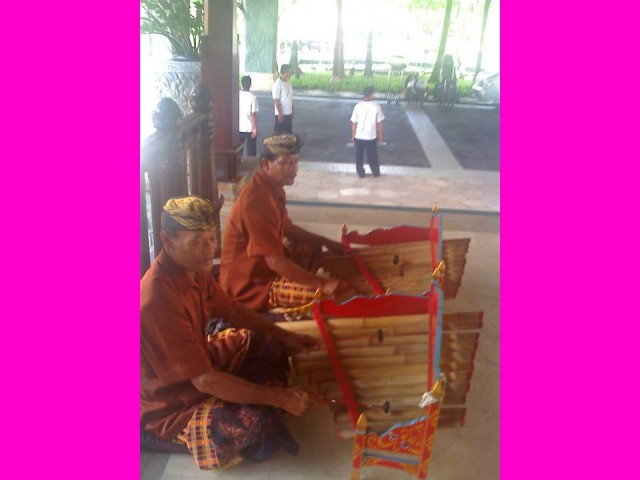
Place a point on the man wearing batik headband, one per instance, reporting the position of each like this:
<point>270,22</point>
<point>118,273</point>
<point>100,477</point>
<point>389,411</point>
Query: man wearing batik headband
<point>256,268</point>
<point>221,394</point>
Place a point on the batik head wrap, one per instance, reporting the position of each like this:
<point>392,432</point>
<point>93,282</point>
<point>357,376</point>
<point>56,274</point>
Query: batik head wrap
<point>188,213</point>
<point>285,144</point>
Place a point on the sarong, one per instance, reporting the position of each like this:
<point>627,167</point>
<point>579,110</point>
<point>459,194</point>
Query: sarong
<point>293,299</point>
<point>221,434</point>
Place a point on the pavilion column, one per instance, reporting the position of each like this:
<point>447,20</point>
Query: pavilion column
<point>219,55</point>
<point>262,42</point>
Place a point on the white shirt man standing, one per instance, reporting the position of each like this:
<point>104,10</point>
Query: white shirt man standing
<point>366,132</point>
<point>247,123</point>
<point>282,94</point>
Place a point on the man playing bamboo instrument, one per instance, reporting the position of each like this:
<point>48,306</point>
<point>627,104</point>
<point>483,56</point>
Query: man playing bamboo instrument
<point>223,394</point>
<point>257,268</point>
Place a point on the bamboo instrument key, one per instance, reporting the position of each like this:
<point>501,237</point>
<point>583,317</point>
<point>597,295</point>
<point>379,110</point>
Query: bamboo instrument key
<point>379,335</point>
<point>385,407</point>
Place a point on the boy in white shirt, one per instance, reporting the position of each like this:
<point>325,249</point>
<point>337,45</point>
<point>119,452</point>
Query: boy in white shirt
<point>247,124</point>
<point>282,94</point>
<point>366,132</point>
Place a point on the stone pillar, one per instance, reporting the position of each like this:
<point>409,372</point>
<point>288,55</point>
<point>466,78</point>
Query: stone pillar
<point>220,73</point>
<point>262,42</point>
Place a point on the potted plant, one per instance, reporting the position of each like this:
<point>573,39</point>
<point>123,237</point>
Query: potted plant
<point>182,23</point>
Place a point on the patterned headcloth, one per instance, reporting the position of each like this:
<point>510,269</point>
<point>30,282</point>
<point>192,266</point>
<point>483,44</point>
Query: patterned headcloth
<point>188,213</point>
<point>285,144</point>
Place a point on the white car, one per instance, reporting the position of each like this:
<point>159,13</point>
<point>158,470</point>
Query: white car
<point>487,87</point>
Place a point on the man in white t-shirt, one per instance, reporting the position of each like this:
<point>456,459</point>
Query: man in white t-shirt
<point>282,94</point>
<point>247,124</point>
<point>366,132</point>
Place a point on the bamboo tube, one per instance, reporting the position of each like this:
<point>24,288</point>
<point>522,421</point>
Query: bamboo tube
<point>453,387</point>
<point>420,351</point>
<point>320,376</point>
<point>393,416</point>
<point>358,322</point>
<point>380,382</point>
<point>454,394</point>
<point>395,370</point>
<point>459,336</point>
<point>356,364</point>
<point>363,362</point>
<point>350,352</point>
<point>448,350</point>
<point>387,392</point>
<point>407,398</point>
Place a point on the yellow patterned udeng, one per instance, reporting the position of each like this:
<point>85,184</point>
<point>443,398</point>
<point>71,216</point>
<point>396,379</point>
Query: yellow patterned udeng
<point>193,213</point>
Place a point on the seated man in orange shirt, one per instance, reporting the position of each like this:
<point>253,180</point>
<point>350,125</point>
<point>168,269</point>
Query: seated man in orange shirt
<point>222,395</point>
<point>257,269</point>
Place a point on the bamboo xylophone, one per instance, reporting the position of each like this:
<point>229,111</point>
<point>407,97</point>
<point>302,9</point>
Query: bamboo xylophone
<point>394,370</point>
<point>402,267</point>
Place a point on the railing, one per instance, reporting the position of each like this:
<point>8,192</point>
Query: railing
<point>175,162</point>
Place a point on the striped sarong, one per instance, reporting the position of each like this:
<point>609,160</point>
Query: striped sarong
<point>221,434</point>
<point>290,298</point>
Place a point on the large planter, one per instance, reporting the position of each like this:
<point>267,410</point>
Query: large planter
<point>177,79</point>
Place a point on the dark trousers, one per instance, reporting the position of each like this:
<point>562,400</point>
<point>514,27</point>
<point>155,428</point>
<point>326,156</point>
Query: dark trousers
<point>371,147</point>
<point>249,143</point>
<point>285,127</point>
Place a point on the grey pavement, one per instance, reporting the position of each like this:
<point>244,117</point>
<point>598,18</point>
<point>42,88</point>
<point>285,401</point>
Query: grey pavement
<point>445,157</point>
<point>324,124</point>
<point>464,137</point>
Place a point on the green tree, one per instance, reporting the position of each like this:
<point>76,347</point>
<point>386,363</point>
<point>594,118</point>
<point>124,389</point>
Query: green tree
<point>338,51</point>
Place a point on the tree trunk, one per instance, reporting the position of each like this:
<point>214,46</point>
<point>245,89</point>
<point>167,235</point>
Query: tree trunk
<point>487,4</point>
<point>435,74</point>
<point>368,65</point>
<point>293,62</point>
<point>338,52</point>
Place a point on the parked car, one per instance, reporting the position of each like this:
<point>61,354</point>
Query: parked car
<point>487,87</point>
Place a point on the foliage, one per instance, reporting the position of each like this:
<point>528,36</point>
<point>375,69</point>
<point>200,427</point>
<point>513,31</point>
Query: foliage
<point>323,81</point>
<point>463,83</point>
<point>180,21</point>
<point>356,83</point>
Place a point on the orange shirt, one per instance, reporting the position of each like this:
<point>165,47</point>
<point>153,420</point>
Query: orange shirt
<point>174,311</point>
<point>257,225</point>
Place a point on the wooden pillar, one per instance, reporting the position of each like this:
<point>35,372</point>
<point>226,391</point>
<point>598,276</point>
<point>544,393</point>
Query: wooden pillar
<point>220,73</point>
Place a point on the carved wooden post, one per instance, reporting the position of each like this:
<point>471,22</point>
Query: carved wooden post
<point>145,261</point>
<point>203,169</point>
<point>167,177</point>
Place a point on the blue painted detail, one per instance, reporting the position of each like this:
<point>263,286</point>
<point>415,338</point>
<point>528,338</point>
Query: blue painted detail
<point>391,458</point>
<point>438,334</point>
<point>404,424</point>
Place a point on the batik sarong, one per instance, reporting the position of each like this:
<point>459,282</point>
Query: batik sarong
<point>221,434</point>
<point>290,298</point>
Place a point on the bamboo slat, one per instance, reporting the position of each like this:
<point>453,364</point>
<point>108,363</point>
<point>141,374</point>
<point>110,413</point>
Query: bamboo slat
<point>403,267</point>
<point>396,369</point>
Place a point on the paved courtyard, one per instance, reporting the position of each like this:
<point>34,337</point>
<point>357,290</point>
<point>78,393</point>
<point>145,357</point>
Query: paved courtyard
<point>470,132</point>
